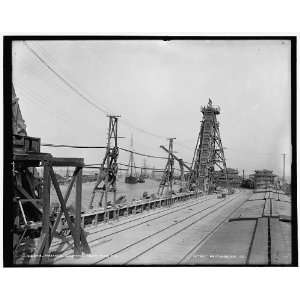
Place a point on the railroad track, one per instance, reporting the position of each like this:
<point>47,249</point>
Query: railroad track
<point>207,236</point>
<point>215,207</point>
<point>160,214</point>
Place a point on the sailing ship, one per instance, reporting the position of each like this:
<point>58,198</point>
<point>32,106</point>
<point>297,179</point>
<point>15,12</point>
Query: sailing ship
<point>143,174</point>
<point>141,178</point>
<point>131,177</point>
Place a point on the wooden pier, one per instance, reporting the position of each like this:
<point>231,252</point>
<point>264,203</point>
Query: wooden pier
<point>243,229</point>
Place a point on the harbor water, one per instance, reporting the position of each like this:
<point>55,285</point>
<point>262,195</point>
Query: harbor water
<point>130,191</point>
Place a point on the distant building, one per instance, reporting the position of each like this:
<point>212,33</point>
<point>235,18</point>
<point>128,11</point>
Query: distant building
<point>263,179</point>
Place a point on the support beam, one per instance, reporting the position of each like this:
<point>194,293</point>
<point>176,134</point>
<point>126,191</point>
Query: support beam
<point>168,175</point>
<point>78,211</point>
<point>109,167</point>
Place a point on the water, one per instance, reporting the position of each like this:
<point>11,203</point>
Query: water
<point>129,190</point>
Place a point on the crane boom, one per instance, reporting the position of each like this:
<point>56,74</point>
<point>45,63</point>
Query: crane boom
<point>181,162</point>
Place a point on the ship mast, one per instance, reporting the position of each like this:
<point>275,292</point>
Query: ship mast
<point>131,158</point>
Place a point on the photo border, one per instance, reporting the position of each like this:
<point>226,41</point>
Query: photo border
<point>7,134</point>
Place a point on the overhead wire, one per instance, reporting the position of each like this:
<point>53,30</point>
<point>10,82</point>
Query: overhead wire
<point>46,100</point>
<point>127,165</point>
<point>63,72</point>
<point>82,96</point>
<point>30,96</point>
<point>102,147</point>
<point>71,146</point>
<point>51,113</point>
<point>74,89</point>
<point>141,154</point>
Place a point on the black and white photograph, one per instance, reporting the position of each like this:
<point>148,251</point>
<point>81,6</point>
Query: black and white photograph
<point>150,151</point>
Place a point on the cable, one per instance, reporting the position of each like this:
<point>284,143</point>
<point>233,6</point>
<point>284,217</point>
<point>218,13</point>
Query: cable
<point>126,165</point>
<point>64,72</point>
<point>29,96</point>
<point>79,93</point>
<point>75,90</point>
<point>97,168</point>
<point>101,147</point>
<point>51,114</point>
<point>69,146</point>
<point>135,167</point>
<point>141,154</point>
<point>183,146</point>
<point>129,124</point>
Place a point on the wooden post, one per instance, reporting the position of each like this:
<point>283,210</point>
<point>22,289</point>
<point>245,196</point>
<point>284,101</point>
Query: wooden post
<point>107,166</point>
<point>116,145</point>
<point>63,207</point>
<point>78,211</point>
<point>67,195</point>
<point>45,238</point>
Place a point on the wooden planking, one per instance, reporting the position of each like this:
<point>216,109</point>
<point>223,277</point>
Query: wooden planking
<point>273,241</point>
<point>257,196</point>
<point>250,209</point>
<point>280,196</point>
<point>259,249</point>
<point>283,208</point>
<point>179,197</point>
<point>267,208</point>
<point>275,208</point>
<point>55,161</point>
<point>31,157</point>
<point>280,242</point>
<point>229,245</point>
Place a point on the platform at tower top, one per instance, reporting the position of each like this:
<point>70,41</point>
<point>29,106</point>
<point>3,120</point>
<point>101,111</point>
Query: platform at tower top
<point>211,108</point>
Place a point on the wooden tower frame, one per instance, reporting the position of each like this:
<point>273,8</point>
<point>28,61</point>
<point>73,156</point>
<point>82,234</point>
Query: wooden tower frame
<point>109,167</point>
<point>22,164</point>
<point>168,174</point>
<point>209,152</point>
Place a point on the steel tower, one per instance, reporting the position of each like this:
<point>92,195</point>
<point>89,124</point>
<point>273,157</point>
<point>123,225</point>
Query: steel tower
<point>209,152</point>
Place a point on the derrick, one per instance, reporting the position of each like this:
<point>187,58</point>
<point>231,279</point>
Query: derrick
<point>106,180</point>
<point>168,173</point>
<point>209,152</point>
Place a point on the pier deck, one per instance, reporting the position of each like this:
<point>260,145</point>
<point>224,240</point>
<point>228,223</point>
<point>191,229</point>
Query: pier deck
<point>165,235</point>
<point>258,233</point>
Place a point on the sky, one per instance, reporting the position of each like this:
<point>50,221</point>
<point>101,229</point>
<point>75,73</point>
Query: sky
<point>159,87</point>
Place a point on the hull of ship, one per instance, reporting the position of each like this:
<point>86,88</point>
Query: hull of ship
<point>131,179</point>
